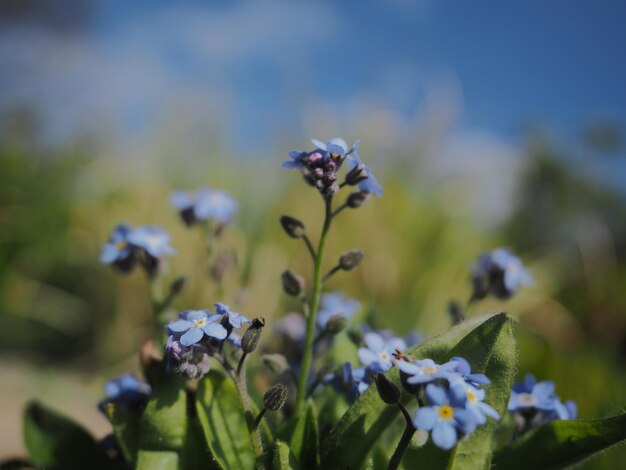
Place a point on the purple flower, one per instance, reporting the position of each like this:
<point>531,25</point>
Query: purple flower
<point>194,324</point>
<point>377,355</point>
<point>234,319</point>
<point>206,204</point>
<point>426,370</point>
<point>335,303</point>
<point>446,418</point>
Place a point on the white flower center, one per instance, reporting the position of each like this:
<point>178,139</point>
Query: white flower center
<point>200,323</point>
<point>526,399</point>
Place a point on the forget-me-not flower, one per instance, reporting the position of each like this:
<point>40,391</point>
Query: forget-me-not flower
<point>234,319</point>
<point>369,184</point>
<point>127,391</point>
<point>206,204</point>
<point>464,369</point>
<point>336,148</point>
<point>349,381</point>
<point>336,303</point>
<point>499,272</point>
<point>531,394</point>
<point>118,251</point>
<point>298,160</point>
<point>377,355</point>
<point>474,404</point>
<point>446,417</point>
<point>194,324</point>
<point>423,371</point>
<point>153,240</point>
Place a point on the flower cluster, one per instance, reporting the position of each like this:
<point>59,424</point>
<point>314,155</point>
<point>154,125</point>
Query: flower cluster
<point>500,273</point>
<point>126,391</point>
<point>535,403</point>
<point>204,205</point>
<point>197,334</point>
<point>451,397</point>
<point>128,246</point>
<point>321,165</point>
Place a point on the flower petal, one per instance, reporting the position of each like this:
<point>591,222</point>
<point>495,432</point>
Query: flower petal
<point>444,435</point>
<point>366,356</point>
<point>436,395</point>
<point>215,330</point>
<point>374,342</point>
<point>179,326</point>
<point>191,337</point>
<point>425,418</point>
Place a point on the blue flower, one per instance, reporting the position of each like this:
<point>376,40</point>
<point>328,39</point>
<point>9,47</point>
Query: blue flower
<point>530,394</point>
<point>336,148</point>
<point>127,391</point>
<point>378,353</point>
<point>335,303</point>
<point>475,405</point>
<point>413,338</point>
<point>118,251</point>
<point>348,381</point>
<point>194,324</point>
<point>292,326</point>
<point>235,319</point>
<point>499,272</point>
<point>447,417</point>
<point>153,240</point>
<point>426,370</point>
<point>463,368</point>
<point>298,160</point>
<point>369,184</point>
<point>206,204</point>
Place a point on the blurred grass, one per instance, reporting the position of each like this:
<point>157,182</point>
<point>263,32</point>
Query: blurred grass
<point>60,308</point>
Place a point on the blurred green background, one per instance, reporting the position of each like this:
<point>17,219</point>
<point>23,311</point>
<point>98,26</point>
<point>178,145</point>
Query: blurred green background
<point>104,111</point>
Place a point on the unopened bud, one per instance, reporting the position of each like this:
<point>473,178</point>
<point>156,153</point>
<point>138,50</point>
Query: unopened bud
<point>355,334</point>
<point>293,284</point>
<point>251,337</point>
<point>275,397</point>
<point>336,324</point>
<point>178,285</point>
<point>387,390</point>
<point>293,227</point>
<point>356,175</point>
<point>356,199</point>
<point>277,363</point>
<point>351,259</point>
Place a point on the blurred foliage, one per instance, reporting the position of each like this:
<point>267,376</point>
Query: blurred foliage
<point>59,305</point>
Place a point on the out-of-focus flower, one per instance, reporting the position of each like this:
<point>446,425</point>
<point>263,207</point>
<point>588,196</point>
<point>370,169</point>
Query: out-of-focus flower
<point>348,381</point>
<point>292,326</point>
<point>127,391</point>
<point>153,240</point>
<point>335,303</point>
<point>369,184</point>
<point>205,204</point>
<point>118,251</point>
<point>336,148</point>
<point>234,319</point>
<point>377,355</point>
<point>446,418</point>
<point>426,370</point>
<point>298,160</point>
<point>194,324</point>
<point>500,273</point>
<point>531,394</point>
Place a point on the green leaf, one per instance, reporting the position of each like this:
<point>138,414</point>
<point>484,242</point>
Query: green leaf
<point>561,443</point>
<point>490,349</point>
<point>157,460</point>
<point>305,440</point>
<point>283,458</point>
<point>56,442</point>
<point>350,440</point>
<point>223,421</point>
<point>126,426</point>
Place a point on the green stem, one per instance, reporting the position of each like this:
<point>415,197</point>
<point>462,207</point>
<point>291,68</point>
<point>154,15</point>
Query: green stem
<point>307,358</point>
<point>158,308</point>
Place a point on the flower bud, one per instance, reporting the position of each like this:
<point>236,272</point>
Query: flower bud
<point>293,284</point>
<point>277,363</point>
<point>355,334</point>
<point>387,390</point>
<point>351,259</point>
<point>178,285</point>
<point>293,227</point>
<point>275,397</point>
<point>336,324</point>
<point>356,175</point>
<point>356,199</point>
<point>251,337</point>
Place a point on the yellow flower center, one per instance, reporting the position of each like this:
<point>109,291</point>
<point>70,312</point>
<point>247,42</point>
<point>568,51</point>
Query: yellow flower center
<point>526,399</point>
<point>470,396</point>
<point>120,245</point>
<point>446,412</point>
<point>429,370</point>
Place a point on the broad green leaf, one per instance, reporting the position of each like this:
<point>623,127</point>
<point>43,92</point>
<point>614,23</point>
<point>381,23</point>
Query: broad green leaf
<point>196,454</point>
<point>490,349</point>
<point>223,421</point>
<point>56,442</point>
<point>283,458</point>
<point>126,426</point>
<point>157,460</point>
<point>560,444</point>
<point>350,440</point>
<point>305,440</point>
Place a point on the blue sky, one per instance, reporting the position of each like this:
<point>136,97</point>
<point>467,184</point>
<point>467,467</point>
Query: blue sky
<point>265,67</point>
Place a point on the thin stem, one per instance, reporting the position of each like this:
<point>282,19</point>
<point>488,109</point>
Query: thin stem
<point>307,357</point>
<point>330,273</point>
<point>240,365</point>
<point>259,417</point>
<point>405,440</point>
<point>309,246</point>
<point>339,209</point>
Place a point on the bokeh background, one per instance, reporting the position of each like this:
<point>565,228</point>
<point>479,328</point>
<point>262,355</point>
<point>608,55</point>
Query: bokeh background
<point>488,123</point>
